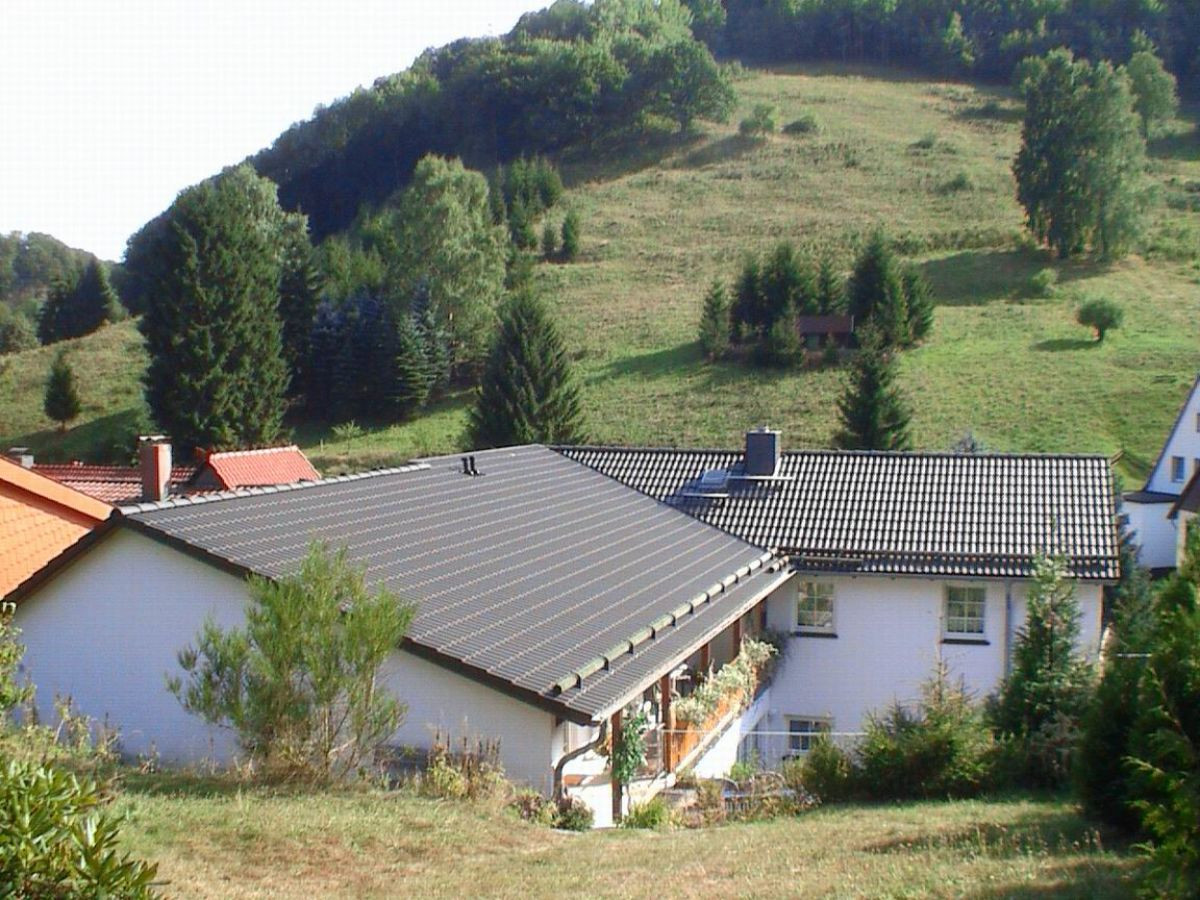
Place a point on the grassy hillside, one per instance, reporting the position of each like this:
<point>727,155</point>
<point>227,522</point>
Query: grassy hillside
<point>221,841</point>
<point>931,161</point>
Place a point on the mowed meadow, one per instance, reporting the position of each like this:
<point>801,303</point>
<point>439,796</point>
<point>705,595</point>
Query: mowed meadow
<point>218,839</point>
<point>664,216</point>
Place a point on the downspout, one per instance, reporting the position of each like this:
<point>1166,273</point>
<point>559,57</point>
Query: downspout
<point>1007,628</point>
<point>575,754</point>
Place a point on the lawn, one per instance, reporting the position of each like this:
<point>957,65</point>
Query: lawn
<point>665,216</point>
<point>214,839</point>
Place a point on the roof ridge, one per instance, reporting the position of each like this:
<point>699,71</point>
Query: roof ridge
<point>826,451</point>
<point>226,454</point>
<point>134,509</point>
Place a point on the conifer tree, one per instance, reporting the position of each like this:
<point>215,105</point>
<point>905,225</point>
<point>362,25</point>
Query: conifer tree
<point>714,322</point>
<point>434,339</point>
<point>831,289</point>
<point>570,235</point>
<point>528,391</point>
<point>51,325</point>
<point>217,375</point>
<point>877,294</point>
<point>299,296</point>
<point>918,297</point>
<point>872,413</point>
<point>410,375</point>
<point>549,239</point>
<point>61,402</point>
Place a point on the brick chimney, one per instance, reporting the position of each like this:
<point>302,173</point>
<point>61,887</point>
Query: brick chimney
<point>154,459</point>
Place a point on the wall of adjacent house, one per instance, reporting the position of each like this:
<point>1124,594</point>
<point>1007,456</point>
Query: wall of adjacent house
<point>106,631</point>
<point>889,636</point>
<point>1156,535</point>
<point>1183,442</point>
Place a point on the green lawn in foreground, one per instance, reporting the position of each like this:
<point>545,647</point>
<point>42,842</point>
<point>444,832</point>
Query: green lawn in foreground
<point>220,841</point>
<point>663,218</point>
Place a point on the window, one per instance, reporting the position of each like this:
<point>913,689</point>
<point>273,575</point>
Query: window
<point>1198,421</point>
<point>964,610</point>
<point>814,608</point>
<point>1177,468</point>
<point>803,732</point>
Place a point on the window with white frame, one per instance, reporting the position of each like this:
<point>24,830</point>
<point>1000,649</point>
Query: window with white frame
<point>803,732</point>
<point>1177,471</point>
<point>964,610</point>
<point>814,607</point>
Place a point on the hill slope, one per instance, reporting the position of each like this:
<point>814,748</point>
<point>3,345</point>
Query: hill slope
<point>931,161</point>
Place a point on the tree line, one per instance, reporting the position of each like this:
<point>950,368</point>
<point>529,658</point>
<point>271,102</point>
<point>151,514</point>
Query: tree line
<point>979,38</point>
<point>567,75</point>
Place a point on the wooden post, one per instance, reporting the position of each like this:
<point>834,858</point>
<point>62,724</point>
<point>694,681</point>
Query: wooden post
<point>737,635</point>
<point>705,657</point>
<point>668,722</point>
<point>616,785</point>
<point>762,615</point>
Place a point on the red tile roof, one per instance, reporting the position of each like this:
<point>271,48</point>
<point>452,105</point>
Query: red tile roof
<point>39,519</point>
<point>254,468</point>
<point>110,484</point>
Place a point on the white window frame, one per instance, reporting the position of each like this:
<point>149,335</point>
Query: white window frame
<point>800,741</point>
<point>1178,468</point>
<point>948,620</point>
<point>821,590</point>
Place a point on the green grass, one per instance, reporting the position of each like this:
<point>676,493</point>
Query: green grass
<point>215,840</point>
<point>663,216</point>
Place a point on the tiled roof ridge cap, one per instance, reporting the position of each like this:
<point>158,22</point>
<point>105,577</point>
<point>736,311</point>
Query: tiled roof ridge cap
<point>257,451</point>
<point>134,509</point>
<point>813,451</point>
<point>763,563</point>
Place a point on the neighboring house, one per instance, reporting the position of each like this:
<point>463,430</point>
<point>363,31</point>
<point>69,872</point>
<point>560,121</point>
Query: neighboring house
<point>825,331</point>
<point>39,519</point>
<point>551,598</point>
<point>213,471</point>
<point>1150,509</point>
<point>554,599</point>
<point>1183,514</point>
<point>901,560</point>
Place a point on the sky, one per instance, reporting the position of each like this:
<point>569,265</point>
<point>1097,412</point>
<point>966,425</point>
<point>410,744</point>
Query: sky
<point>109,108</point>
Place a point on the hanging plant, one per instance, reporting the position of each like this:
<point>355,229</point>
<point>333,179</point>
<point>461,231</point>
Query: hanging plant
<point>629,754</point>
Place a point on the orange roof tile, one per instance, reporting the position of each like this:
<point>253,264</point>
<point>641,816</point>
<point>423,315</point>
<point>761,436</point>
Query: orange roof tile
<point>253,468</point>
<point>111,484</point>
<point>39,519</point>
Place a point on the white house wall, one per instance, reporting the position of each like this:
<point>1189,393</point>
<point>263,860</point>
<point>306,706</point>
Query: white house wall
<point>889,637</point>
<point>106,630</point>
<point>1156,535</point>
<point>1182,442</point>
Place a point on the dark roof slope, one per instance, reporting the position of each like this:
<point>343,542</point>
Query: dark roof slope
<point>539,574</point>
<point>1189,500</point>
<point>892,513</point>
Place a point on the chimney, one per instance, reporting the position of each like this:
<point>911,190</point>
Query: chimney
<point>762,452</point>
<point>154,458</point>
<point>21,456</point>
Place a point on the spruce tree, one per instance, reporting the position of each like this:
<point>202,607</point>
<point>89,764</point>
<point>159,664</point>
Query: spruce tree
<point>93,302</point>
<point>549,240</point>
<point>61,402</point>
<point>410,375</point>
<point>918,297</point>
<point>434,338</point>
<point>714,322</point>
<point>872,413</point>
<point>217,375</point>
<point>831,289</point>
<point>51,324</point>
<point>299,295</point>
<point>876,293</point>
<point>528,392</point>
<point>570,235</point>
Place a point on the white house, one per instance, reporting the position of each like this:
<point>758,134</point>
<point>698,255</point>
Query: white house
<point>901,560</point>
<point>554,600</point>
<point>1150,509</point>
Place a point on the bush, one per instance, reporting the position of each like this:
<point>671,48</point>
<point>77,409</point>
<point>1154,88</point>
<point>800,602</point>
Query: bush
<point>1043,283</point>
<point>570,235</point>
<point>763,119</point>
<point>533,807</point>
<point>1101,315</point>
<point>926,141</point>
<point>808,123</point>
<point>57,840</point>
<point>471,771</point>
<point>960,182</point>
<point>653,814</point>
<point>574,815</point>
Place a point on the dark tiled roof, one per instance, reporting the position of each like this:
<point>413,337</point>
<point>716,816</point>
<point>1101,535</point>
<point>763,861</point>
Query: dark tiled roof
<point>1189,500</point>
<point>1149,497</point>
<point>893,513</point>
<point>540,574</point>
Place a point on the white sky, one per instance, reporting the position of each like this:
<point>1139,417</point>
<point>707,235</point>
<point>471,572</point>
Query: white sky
<point>109,108</point>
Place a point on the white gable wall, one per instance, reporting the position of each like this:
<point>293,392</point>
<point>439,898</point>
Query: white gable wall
<point>889,637</point>
<point>1183,442</point>
<point>1156,535</point>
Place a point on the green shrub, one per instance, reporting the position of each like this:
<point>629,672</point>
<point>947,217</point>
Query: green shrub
<point>57,840</point>
<point>653,814</point>
<point>745,769</point>
<point>960,182</point>
<point>926,141</point>
<point>1101,315</point>
<point>808,123</point>
<point>826,771</point>
<point>469,770</point>
<point>1043,283</point>
<point>763,119</point>
<point>574,815</point>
